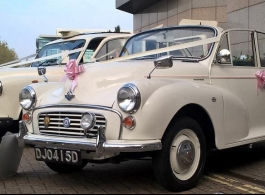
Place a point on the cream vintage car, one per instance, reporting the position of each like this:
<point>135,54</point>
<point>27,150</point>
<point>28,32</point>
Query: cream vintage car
<point>201,96</point>
<point>84,48</point>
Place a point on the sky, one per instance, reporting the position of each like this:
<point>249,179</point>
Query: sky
<point>22,21</point>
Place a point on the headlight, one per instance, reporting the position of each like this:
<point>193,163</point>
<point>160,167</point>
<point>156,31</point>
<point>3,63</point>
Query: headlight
<point>129,98</point>
<point>27,98</point>
<point>1,88</point>
<point>88,121</point>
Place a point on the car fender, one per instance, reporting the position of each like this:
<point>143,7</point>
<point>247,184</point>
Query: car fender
<point>41,90</point>
<point>14,80</point>
<point>163,104</point>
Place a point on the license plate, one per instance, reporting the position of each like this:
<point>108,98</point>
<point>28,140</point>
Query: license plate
<point>58,156</point>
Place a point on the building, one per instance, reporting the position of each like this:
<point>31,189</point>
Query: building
<point>229,13</point>
<point>44,39</point>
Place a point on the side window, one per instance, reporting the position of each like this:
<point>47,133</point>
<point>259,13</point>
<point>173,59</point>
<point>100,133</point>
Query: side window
<point>117,46</point>
<point>110,50</point>
<point>224,54</point>
<point>88,54</point>
<point>92,46</point>
<point>102,52</point>
<point>242,48</point>
<point>261,42</point>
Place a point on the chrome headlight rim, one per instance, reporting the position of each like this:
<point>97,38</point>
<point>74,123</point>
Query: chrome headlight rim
<point>92,125</point>
<point>33,98</point>
<point>1,88</point>
<point>137,95</point>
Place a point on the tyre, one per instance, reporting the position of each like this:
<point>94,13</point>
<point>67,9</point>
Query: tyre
<point>65,168</point>
<point>180,163</point>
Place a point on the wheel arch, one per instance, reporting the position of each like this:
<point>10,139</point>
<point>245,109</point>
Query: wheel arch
<point>199,114</point>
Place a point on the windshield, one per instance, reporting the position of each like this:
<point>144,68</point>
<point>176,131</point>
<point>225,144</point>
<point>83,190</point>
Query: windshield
<point>163,38</point>
<point>58,48</point>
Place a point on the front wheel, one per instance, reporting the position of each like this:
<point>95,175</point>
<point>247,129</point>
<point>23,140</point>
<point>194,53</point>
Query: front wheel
<point>65,168</point>
<point>180,164</point>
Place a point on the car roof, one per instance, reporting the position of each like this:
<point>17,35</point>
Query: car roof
<point>88,36</point>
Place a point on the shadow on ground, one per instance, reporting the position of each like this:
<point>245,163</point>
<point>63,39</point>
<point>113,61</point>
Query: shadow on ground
<point>219,161</point>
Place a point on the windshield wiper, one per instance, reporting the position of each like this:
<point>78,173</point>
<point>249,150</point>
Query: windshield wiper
<point>191,60</point>
<point>144,58</point>
<point>78,46</point>
<point>49,61</point>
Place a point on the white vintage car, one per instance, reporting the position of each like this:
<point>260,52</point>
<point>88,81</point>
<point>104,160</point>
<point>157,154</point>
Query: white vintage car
<point>201,96</point>
<point>91,47</point>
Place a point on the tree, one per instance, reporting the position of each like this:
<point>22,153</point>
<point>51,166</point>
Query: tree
<point>118,29</point>
<point>6,54</point>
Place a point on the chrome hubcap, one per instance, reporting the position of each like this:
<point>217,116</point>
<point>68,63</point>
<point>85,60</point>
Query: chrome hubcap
<point>186,154</point>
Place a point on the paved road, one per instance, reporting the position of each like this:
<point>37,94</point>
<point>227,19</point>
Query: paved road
<point>236,171</point>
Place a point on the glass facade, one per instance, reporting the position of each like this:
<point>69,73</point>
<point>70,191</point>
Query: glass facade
<point>43,40</point>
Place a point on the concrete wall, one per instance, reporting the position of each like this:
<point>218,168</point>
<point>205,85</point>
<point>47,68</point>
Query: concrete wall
<point>171,12</point>
<point>246,14</point>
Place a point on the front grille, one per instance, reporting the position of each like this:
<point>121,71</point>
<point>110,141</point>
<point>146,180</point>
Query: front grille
<point>56,126</point>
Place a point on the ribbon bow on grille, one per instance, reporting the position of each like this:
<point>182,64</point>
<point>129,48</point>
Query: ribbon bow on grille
<point>72,72</point>
<point>260,75</point>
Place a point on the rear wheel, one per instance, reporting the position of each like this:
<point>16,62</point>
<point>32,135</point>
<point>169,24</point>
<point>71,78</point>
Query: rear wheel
<point>180,164</point>
<point>65,168</point>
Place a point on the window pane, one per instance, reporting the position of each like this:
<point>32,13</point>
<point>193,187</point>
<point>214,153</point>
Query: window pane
<point>242,48</point>
<point>225,57</point>
<point>261,40</point>
<point>92,47</point>
<point>164,38</point>
<point>58,48</point>
<point>87,56</point>
<point>102,52</point>
<point>117,46</point>
<point>112,47</point>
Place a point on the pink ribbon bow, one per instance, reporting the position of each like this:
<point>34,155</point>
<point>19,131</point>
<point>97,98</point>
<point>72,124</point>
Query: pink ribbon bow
<point>260,79</point>
<point>72,72</point>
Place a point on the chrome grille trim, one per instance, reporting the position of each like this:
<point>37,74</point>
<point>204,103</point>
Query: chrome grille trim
<point>56,127</point>
<point>82,106</point>
<point>62,132</point>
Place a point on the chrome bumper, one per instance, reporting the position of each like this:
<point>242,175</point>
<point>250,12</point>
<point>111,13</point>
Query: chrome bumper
<point>99,145</point>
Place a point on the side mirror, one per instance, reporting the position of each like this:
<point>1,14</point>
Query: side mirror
<point>42,72</point>
<point>111,57</point>
<point>224,56</point>
<point>164,62</point>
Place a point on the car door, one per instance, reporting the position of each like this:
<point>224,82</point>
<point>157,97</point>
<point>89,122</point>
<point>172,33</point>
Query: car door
<point>233,73</point>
